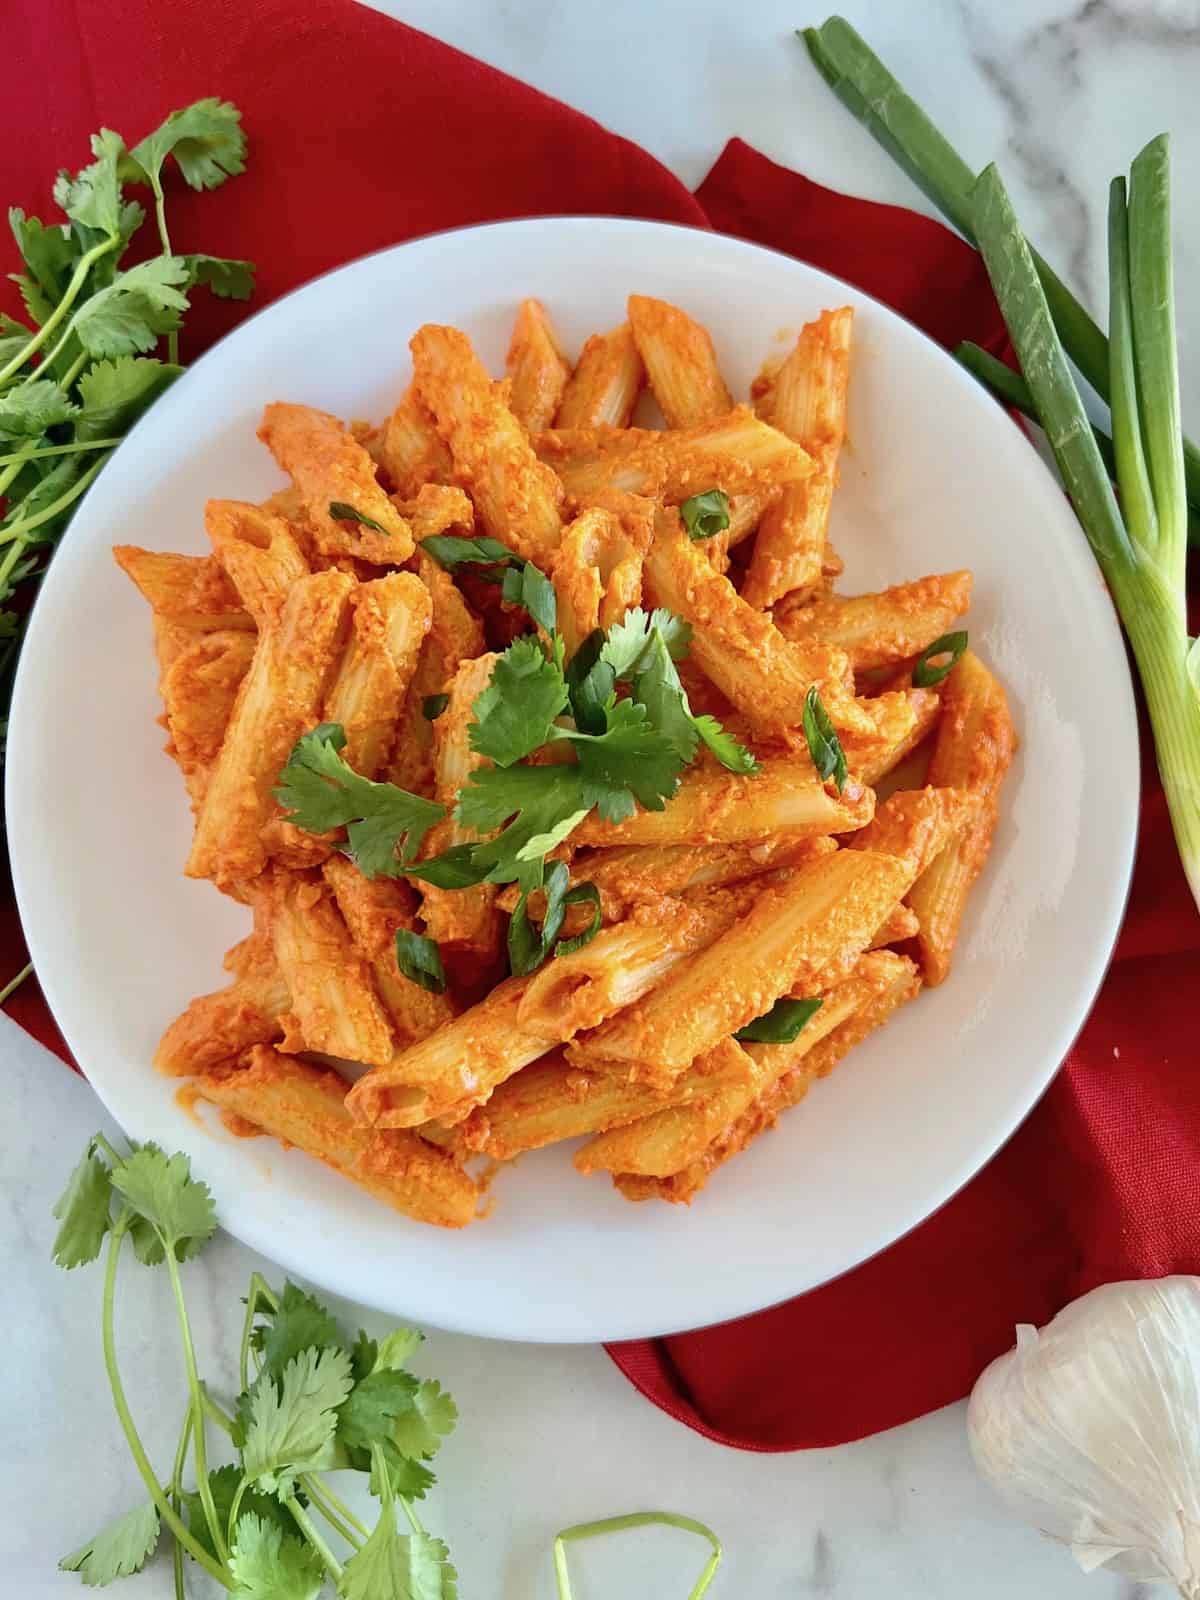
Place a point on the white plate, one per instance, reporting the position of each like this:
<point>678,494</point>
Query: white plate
<point>934,477</point>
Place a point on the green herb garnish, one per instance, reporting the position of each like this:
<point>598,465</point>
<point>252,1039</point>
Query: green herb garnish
<point>433,705</point>
<point>928,670</point>
<point>420,959</point>
<point>705,514</point>
<point>823,743</point>
<point>342,511</point>
<point>781,1024</point>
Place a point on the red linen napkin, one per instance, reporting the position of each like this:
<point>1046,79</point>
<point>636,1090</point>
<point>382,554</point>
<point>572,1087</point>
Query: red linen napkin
<point>365,133</point>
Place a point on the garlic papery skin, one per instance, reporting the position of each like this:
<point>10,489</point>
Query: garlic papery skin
<point>1090,1429</point>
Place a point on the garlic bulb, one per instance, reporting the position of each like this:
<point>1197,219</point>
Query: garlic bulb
<point>1090,1429</point>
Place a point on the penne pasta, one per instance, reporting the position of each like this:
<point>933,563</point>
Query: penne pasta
<point>437,508</point>
<point>389,619</point>
<point>258,551</point>
<point>466,917</point>
<point>597,575</point>
<point>331,469</point>
<point>884,754</point>
<point>808,403</point>
<point>443,1076</point>
<point>216,1028</point>
<point>603,389</point>
<point>375,911</point>
<point>279,698</point>
<point>827,912</point>
<point>877,630</point>
<point>901,924</point>
<point>411,451</point>
<point>764,675</point>
<point>712,806</point>
<point>192,593</point>
<point>334,1008</point>
<point>974,748</point>
<point>515,496</point>
<point>736,453</point>
<point>673,1137</point>
<point>917,824</point>
<point>681,364</point>
<point>787,1090</point>
<point>303,1106</point>
<point>537,368</point>
<point>199,691</point>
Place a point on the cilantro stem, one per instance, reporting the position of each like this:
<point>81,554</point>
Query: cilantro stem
<point>99,1139</point>
<point>73,371</point>
<point>83,267</point>
<point>259,1289</point>
<point>197,1406</point>
<point>21,528</point>
<point>165,1510</point>
<point>635,1519</point>
<point>176,1483</point>
<point>13,465</point>
<point>335,1500</point>
<point>414,1521</point>
<point>320,1498</point>
<point>313,1534</point>
<point>14,984</point>
<point>221,1417</point>
<point>20,457</point>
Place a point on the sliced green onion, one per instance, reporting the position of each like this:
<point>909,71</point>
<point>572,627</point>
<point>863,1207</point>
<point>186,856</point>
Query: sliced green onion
<point>781,1024</point>
<point>928,671</point>
<point>824,746</point>
<point>705,514</point>
<point>420,959</point>
<point>433,705</point>
<point>342,512</point>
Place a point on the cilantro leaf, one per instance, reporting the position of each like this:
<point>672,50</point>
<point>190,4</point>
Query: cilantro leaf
<point>657,686</point>
<point>14,336</point>
<point>823,743</point>
<point>118,1550</point>
<point>591,683</point>
<point>269,1564</point>
<point>363,1355</point>
<point>147,1245</point>
<point>455,868</point>
<point>541,805</point>
<point>630,760</point>
<point>162,1189</point>
<point>515,713</point>
<point>292,1421</point>
<point>300,1323</point>
<point>343,511</point>
<point>412,1479</point>
<point>93,196</point>
<point>49,254</point>
<point>318,791</point>
<point>421,1429</point>
<point>206,140</point>
<point>83,1211</point>
<point>528,586</point>
<point>228,279</point>
<point>399,1566</point>
<point>452,550</point>
<point>136,307</point>
<point>420,960</point>
<point>781,1024</point>
<point>28,410</point>
<point>115,393</point>
<point>705,514</point>
<point>396,1349</point>
<point>626,640</point>
<point>373,1406</point>
<point>223,1485</point>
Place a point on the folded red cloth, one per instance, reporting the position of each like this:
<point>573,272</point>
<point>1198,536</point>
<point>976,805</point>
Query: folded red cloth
<point>364,133</point>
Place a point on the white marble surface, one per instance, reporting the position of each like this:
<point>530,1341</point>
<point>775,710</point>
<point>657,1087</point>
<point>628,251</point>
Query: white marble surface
<point>1063,94</point>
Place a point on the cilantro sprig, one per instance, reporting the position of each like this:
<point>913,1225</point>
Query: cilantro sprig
<point>76,375</point>
<point>267,1525</point>
<point>622,751</point>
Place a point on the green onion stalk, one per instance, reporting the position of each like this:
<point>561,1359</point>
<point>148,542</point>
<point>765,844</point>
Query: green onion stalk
<point>1140,543</point>
<point>867,89</point>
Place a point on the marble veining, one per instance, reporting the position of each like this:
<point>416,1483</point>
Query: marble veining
<point>1062,95</point>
